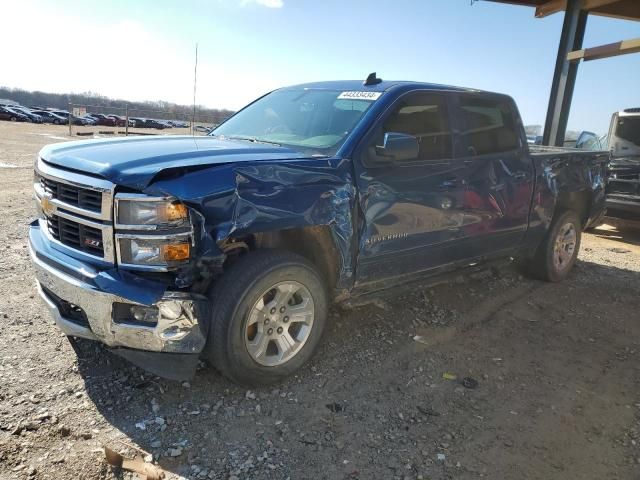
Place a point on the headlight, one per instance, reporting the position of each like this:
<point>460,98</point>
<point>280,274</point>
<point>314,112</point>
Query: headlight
<point>149,212</point>
<point>150,251</point>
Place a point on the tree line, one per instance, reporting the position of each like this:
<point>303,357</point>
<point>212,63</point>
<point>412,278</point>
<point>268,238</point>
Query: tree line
<point>96,103</point>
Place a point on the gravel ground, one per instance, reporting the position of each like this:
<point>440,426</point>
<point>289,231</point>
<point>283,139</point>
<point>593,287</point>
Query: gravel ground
<point>556,366</point>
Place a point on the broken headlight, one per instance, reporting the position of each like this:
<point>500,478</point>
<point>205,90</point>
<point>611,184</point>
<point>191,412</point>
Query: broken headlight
<point>149,213</point>
<point>153,251</point>
<point>152,233</point>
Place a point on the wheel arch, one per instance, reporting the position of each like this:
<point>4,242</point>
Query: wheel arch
<point>579,202</point>
<point>315,243</point>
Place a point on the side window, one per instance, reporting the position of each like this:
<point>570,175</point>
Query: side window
<point>488,125</point>
<point>425,116</point>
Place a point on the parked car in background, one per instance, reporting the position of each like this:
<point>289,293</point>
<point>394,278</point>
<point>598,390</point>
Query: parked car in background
<point>232,247</point>
<point>8,113</point>
<point>34,117</point>
<point>121,121</point>
<point>62,113</point>
<point>50,117</point>
<point>534,139</point>
<point>178,124</point>
<point>589,141</point>
<point>158,124</point>
<point>140,122</point>
<point>202,129</point>
<point>83,121</point>
<point>623,188</point>
<point>104,120</point>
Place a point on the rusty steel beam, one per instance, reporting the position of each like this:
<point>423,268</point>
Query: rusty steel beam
<point>605,51</point>
<point>564,75</point>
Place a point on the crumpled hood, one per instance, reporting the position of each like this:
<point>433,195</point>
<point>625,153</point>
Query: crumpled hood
<point>135,161</point>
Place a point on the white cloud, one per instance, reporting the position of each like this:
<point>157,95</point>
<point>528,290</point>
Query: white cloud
<point>123,59</point>
<point>265,3</point>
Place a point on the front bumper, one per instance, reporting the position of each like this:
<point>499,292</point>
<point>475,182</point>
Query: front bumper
<point>81,300</point>
<point>623,206</point>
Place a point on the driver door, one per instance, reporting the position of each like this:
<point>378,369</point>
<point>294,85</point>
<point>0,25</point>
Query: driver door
<point>413,210</point>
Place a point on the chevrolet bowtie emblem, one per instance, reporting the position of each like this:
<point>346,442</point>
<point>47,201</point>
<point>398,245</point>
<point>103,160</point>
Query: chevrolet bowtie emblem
<point>47,205</point>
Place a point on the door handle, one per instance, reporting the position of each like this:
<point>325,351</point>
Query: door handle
<point>452,182</point>
<point>519,176</point>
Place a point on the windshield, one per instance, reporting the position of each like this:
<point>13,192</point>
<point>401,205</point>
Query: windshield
<point>315,120</point>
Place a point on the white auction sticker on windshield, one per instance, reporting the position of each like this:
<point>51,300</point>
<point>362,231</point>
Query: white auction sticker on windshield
<point>359,96</point>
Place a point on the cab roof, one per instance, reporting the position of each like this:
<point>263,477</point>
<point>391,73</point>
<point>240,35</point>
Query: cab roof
<point>383,86</point>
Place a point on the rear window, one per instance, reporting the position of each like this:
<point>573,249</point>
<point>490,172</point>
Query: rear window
<point>488,125</point>
<point>628,129</point>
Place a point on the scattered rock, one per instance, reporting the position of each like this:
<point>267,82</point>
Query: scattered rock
<point>428,411</point>
<point>335,407</point>
<point>420,339</point>
<point>175,452</point>
<point>471,383</point>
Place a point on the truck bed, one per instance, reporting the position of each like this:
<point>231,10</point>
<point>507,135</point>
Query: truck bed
<point>546,150</point>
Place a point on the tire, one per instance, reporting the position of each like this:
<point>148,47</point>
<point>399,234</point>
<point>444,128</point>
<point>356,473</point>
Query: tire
<point>13,119</point>
<point>565,234</point>
<point>56,122</point>
<point>255,280</point>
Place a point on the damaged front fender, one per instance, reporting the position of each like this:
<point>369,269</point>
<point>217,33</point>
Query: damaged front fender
<point>241,199</point>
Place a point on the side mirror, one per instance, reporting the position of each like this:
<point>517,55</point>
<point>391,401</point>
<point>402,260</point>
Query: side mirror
<point>399,147</point>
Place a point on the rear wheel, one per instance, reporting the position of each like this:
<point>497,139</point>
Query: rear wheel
<point>14,119</point>
<point>558,252</point>
<point>269,310</point>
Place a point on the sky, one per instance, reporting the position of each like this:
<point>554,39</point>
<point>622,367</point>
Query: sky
<point>144,50</point>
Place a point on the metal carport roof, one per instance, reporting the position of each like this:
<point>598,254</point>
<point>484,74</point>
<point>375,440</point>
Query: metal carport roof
<point>570,50</point>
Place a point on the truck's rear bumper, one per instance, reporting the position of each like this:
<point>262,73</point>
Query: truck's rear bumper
<point>81,300</point>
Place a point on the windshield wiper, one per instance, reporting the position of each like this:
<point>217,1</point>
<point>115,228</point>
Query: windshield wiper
<point>250,139</point>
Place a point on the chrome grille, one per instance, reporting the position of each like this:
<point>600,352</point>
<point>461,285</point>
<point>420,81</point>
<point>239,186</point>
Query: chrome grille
<point>76,235</point>
<point>76,210</point>
<point>73,195</point>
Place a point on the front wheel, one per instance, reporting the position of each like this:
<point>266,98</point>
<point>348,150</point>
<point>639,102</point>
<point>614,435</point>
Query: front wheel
<point>558,252</point>
<point>269,310</point>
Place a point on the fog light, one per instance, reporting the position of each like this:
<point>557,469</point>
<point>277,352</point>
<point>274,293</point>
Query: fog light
<point>148,315</point>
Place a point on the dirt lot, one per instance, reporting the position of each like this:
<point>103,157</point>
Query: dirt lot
<point>557,366</point>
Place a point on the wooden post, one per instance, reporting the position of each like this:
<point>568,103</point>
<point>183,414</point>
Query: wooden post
<point>70,111</point>
<point>126,120</point>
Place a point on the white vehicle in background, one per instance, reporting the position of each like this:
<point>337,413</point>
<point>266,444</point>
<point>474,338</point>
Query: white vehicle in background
<point>623,188</point>
<point>624,133</point>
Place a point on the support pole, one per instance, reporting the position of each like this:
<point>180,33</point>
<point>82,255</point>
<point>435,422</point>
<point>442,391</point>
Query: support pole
<point>195,78</point>
<point>564,76</point>
<point>70,112</point>
<point>126,120</point>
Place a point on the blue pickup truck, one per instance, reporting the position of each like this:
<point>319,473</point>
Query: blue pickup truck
<point>233,246</point>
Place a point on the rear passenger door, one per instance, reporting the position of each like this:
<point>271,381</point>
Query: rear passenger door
<point>499,183</point>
